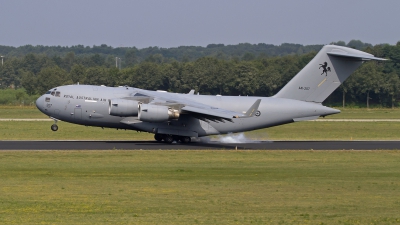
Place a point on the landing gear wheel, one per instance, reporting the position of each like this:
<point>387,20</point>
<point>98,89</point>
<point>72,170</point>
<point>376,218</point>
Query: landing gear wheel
<point>168,139</point>
<point>185,139</point>
<point>158,137</point>
<point>54,127</point>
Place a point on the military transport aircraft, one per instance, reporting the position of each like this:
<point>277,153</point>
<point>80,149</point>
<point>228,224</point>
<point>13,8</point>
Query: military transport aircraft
<point>180,117</point>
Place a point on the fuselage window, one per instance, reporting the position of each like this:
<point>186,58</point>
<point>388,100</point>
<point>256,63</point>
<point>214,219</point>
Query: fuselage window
<point>53,92</point>
<point>57,94</point>
<point>47,99</point>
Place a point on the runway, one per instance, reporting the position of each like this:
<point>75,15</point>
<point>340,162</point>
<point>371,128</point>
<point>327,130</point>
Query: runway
<point>153,145</point>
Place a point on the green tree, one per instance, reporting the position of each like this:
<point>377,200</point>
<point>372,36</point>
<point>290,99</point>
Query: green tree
<point>201,75</point>
<point>269,81</point>
<point>391,86</point>
<point>156,58</point>
<point>51,77</point>
<point>68,61</point>
<point>369,79</point>
<point>96,76</point>
<point>357,44</point>
<point>9,74</point>
<point>147,76</point>
<point>248,56</point>
<point>78,73</point>
<point>130,57</point>
<point>114,77</point>
<point>171,74</point>
<point>29,82</point>
<point>245,79</point>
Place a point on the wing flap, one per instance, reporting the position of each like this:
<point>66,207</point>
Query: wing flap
<point>212,112</point>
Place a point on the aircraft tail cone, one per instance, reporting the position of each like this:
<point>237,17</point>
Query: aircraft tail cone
<point>329,111</point>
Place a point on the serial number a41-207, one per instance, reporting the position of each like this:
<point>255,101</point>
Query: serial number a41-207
<point>304,88</point>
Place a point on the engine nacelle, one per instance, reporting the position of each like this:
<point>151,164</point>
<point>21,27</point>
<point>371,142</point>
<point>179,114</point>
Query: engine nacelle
<point>123,107</point>
<point>156,113</point>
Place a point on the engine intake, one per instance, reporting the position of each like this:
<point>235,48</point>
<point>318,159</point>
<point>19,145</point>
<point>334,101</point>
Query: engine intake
<point>156,113</point>
<point>122,107</point>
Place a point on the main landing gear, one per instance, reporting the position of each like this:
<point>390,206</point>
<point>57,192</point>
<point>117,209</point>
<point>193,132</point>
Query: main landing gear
<point>168,138</point>
<point>54,127</point>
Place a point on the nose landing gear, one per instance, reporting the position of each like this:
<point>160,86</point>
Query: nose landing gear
<point>54,127</point>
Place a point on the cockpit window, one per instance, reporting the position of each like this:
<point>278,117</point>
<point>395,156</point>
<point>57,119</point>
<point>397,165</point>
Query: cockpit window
<point>48,92</point>
<point>53,92</point>
<point>57,94</point>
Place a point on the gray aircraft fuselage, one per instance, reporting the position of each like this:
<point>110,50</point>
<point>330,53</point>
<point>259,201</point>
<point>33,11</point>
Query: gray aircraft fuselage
<point>89,105</point>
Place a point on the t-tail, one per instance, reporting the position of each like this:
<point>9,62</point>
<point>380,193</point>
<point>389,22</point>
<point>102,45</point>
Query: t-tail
<point>324,73</point>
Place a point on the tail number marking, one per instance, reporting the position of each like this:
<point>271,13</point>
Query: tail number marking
<point>304,88</point>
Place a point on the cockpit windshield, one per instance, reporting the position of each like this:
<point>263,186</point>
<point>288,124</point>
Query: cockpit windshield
<point>54,93</point>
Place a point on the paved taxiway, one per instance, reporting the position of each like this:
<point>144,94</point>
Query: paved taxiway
<point>153,145</point>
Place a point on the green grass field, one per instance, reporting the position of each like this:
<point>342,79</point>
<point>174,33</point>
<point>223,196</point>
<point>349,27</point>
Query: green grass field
<point>21,112</point>
<point>199,187</point>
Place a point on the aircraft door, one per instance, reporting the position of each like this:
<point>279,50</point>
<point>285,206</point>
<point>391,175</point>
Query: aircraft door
<point>78,113</point>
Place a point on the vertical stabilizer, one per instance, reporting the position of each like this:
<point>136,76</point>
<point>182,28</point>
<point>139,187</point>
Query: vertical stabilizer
<point>324,73</point>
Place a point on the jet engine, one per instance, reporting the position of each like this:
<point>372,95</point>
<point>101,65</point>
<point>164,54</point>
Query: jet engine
<point>123,107</point>
<point>156,113</point>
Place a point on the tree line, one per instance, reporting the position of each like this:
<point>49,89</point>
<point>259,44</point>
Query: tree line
<point>132,55</point>
<point>252,73</point>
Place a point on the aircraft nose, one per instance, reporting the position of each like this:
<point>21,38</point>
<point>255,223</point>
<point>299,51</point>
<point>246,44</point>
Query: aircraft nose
<point>40,103</point>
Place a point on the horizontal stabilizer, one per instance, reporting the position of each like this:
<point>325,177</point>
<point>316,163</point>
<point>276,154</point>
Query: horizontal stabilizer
<point>363,57</point>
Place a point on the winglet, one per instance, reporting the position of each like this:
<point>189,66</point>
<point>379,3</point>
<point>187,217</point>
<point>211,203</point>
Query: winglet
<point>191,92</point>
<point>253,109</point>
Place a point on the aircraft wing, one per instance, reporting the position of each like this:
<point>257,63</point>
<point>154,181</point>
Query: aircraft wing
<point>212,111</point>
<point>188,106</point>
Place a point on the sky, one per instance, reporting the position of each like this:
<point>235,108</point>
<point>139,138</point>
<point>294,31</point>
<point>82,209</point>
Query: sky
<point>174,23</point>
